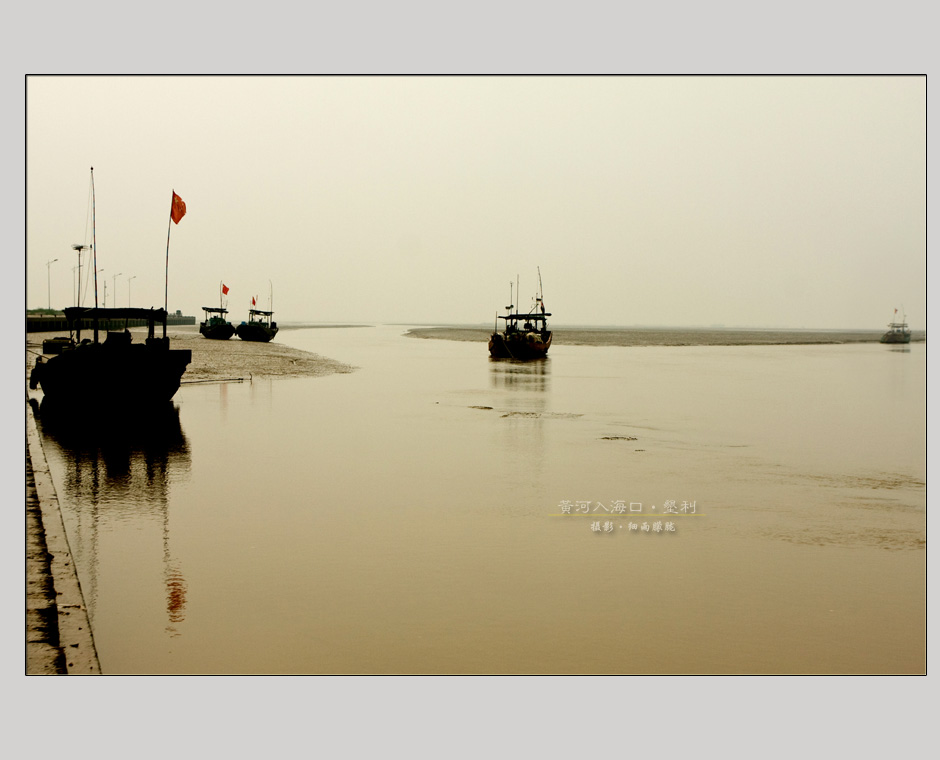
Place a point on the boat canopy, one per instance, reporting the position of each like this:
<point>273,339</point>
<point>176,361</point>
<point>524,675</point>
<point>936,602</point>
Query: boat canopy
<point>258,311</point>
<point>215,309</point>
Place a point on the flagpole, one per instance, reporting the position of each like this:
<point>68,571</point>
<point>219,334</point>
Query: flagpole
<point>166,283</point>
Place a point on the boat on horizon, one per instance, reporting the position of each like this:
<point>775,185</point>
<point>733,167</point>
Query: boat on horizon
<point>898,332</point>
<point>524,336</point>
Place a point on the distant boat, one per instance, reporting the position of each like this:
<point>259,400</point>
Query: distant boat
<point>524,336</point>
<point>259,327</point>
<point>115,371</point>
<point>898,332</point>
<point>216,327</point>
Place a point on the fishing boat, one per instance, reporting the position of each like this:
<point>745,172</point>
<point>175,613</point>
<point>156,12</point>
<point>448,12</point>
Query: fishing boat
<point>898,332</point>
<point>216,327</point>
<point>259,328</point>
<point>524,336</point>
<point>115,371</point>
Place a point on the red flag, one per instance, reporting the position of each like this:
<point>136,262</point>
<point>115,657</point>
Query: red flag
<point>224,290</point>
<point>252,300</point>
<point>177,208</point>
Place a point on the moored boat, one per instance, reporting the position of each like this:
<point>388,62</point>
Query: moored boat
<point>259,327</point>
<point>115,371</point>
<point>524,336</point>
<point>216,327</point>
<point>898,332</point>
<point>114,374</point>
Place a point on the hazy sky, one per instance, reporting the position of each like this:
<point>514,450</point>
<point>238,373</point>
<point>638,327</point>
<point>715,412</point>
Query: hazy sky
<point>743,201</point>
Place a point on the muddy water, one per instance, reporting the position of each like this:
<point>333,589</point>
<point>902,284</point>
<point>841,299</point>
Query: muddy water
<point>659,509</point>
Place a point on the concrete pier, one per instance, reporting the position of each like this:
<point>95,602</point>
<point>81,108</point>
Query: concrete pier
<point>59,638</point>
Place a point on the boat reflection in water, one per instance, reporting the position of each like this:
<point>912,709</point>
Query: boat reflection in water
<point>117,472</point>
<point>518,375</point>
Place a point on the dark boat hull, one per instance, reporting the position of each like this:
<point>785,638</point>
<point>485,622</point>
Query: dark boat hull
<point>217,332</point>
<point>109,375</point>
<point>893,337</point>
<point>521,346</point>
<point>256,333</point>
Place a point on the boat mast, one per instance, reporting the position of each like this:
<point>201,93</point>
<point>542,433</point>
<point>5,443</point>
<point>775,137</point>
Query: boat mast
<point>94,249</point>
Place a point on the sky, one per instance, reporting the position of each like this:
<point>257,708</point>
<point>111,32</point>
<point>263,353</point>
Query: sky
<point>642,200</point>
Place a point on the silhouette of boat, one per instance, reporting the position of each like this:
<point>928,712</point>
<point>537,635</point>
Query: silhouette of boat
<point>898,332</point>
<point>116,373</point>
<point>524,336</point>
<point>117,370</point>
<point>216,326</point>
<point>258,328</point>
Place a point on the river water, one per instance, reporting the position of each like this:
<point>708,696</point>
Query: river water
<point>629,510</point>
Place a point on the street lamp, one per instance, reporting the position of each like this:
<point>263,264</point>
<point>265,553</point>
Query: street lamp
<point>129,290</point>
<point>49,281</point>
<point>114,288</point>
<point>78,248</point>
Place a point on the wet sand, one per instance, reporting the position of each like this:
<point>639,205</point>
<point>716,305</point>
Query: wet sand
<point>220,360</point>
<point>643,336</point>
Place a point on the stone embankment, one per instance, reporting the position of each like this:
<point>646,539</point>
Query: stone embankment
<point>59,639</point>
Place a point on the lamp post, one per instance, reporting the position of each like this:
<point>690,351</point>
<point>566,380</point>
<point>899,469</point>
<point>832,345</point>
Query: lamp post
<point>97,272</point>
<point>49,281</point>
<point>129,290</point>
<point>78,248</point>
<point>114,288</point>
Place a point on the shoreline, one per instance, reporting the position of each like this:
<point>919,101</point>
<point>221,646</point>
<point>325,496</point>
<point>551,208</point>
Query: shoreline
<point>655,336</point>
<point>219,360</point>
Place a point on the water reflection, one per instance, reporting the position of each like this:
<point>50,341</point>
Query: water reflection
<point>118,469</point>
<point>525,408</point>
<point>510,374</point>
